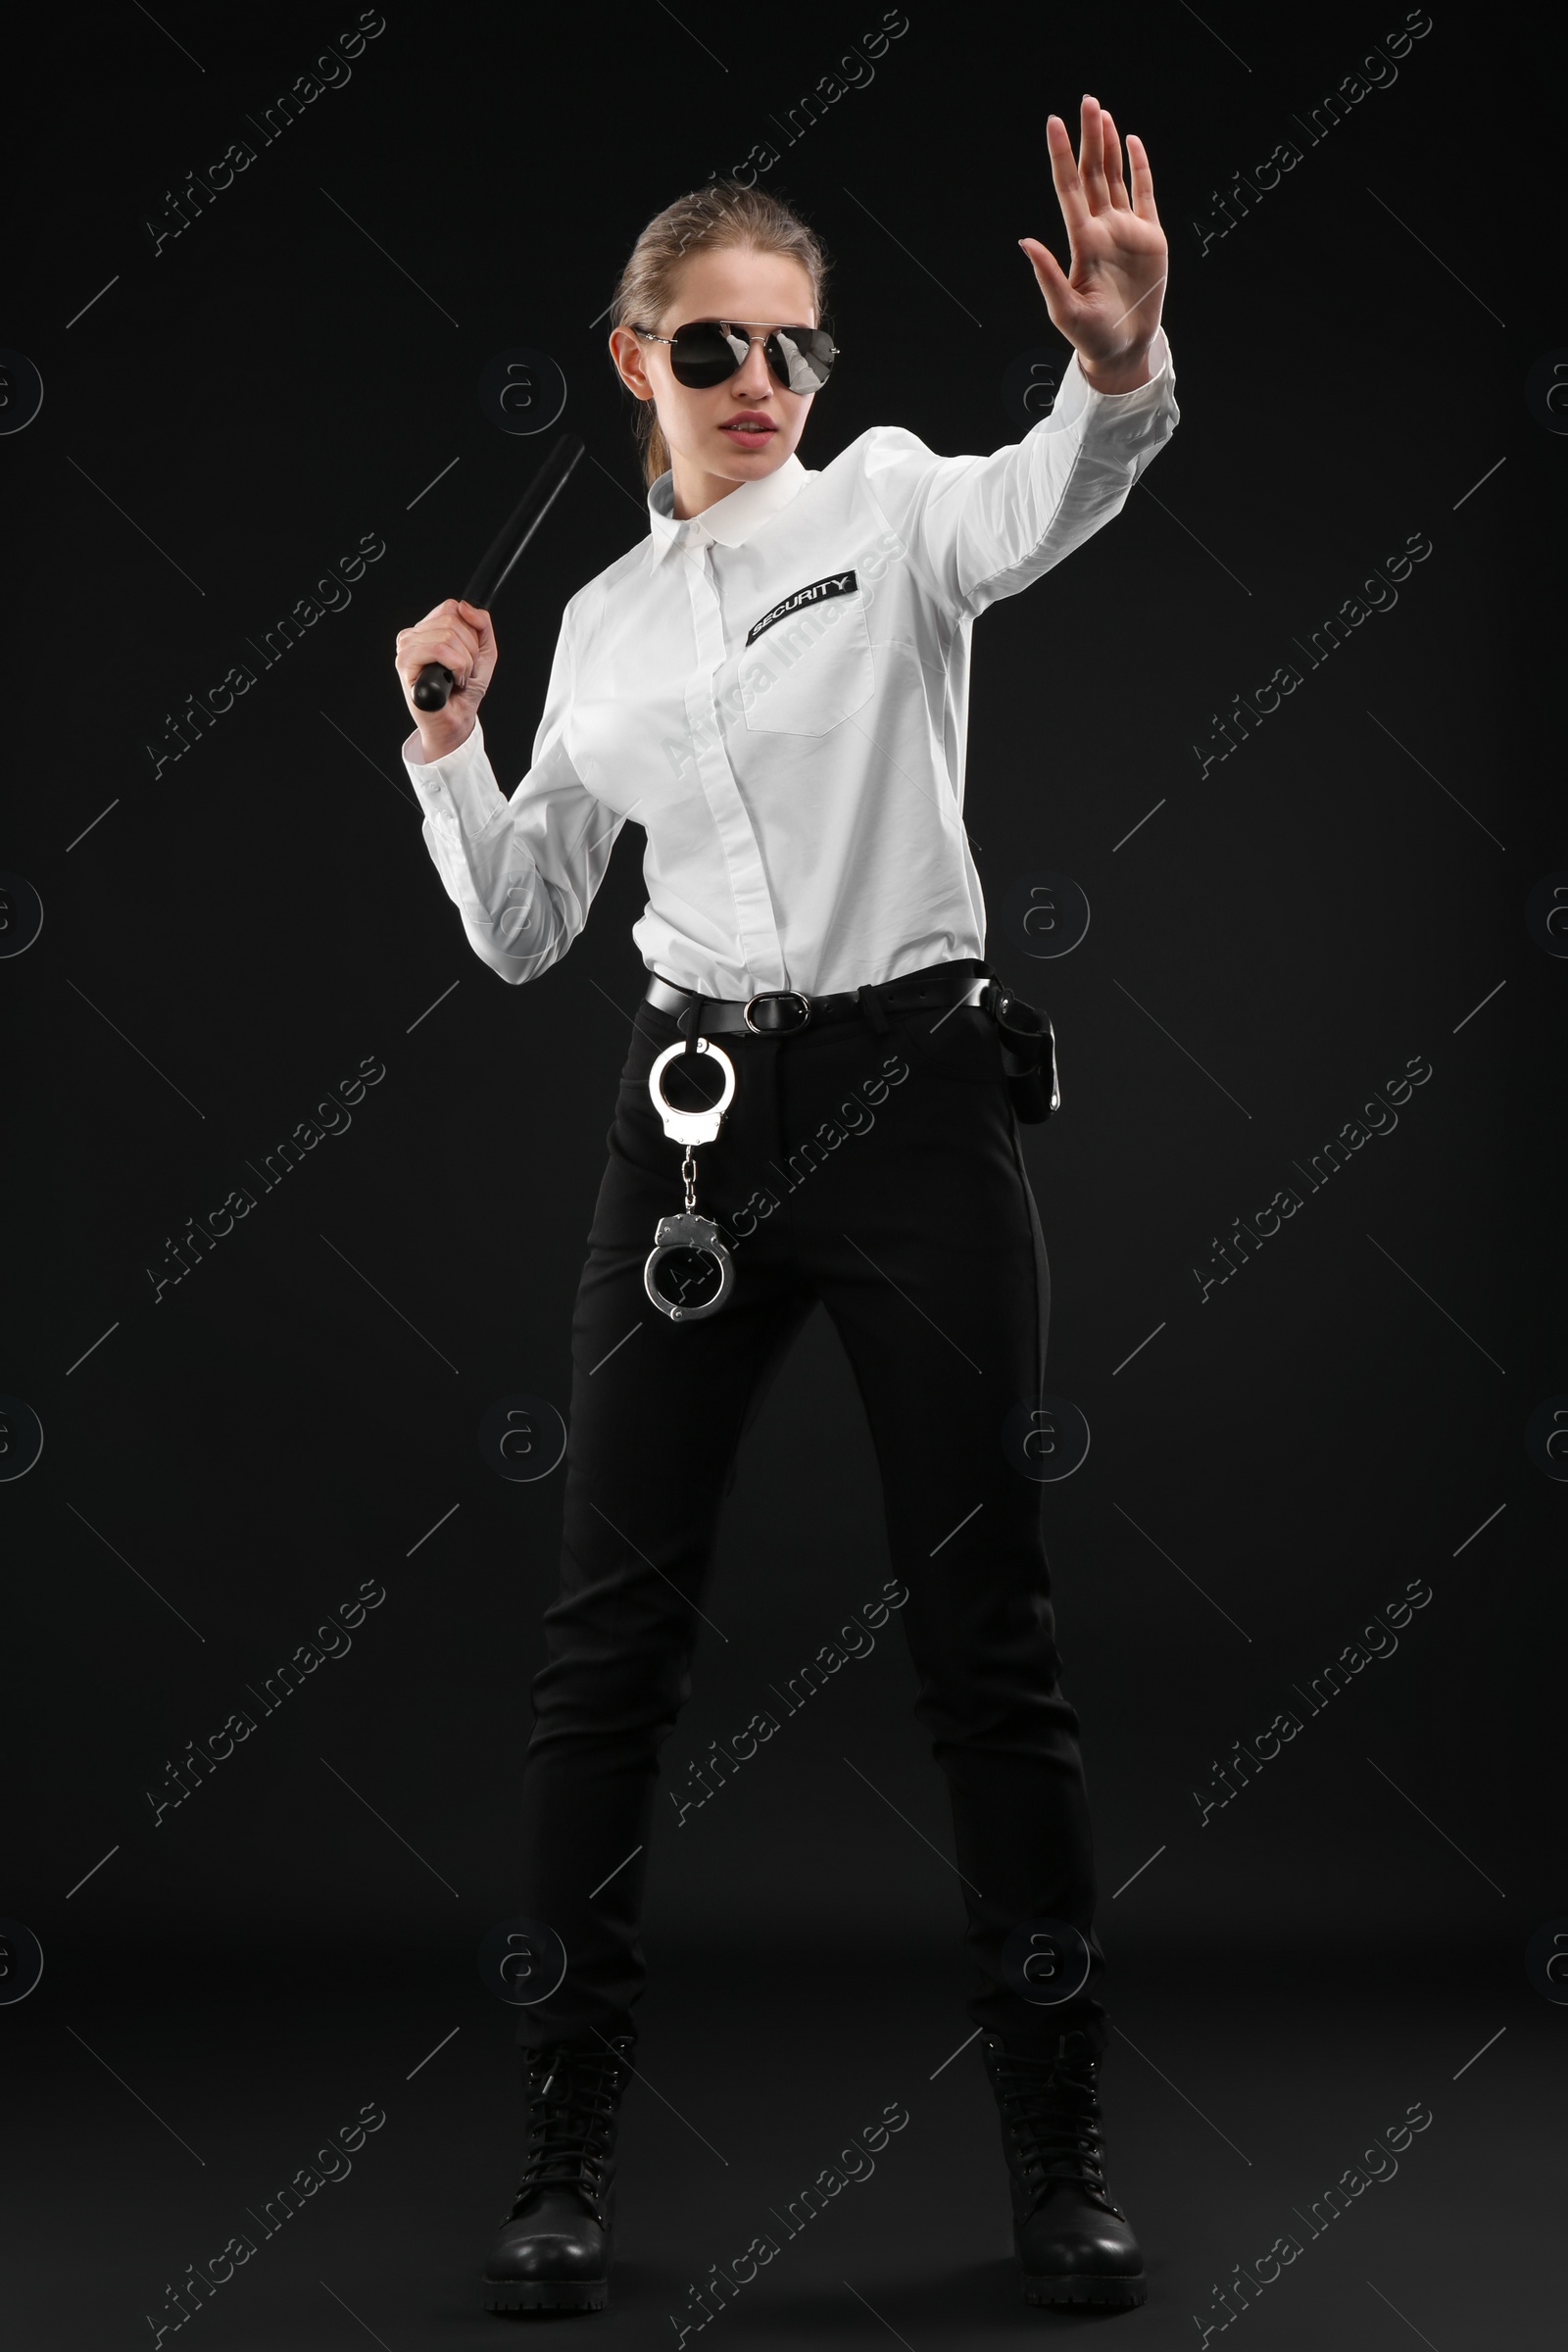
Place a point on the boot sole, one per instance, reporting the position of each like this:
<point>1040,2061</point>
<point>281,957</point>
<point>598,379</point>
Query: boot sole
<point>546,2295</point>
<point>1066,2286</point>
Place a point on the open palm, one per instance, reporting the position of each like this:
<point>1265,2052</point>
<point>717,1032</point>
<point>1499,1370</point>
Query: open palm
<point>1107,301</point>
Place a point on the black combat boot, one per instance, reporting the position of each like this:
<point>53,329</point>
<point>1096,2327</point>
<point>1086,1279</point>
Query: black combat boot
<point>554,2247</point>
<point>1075,2246</point>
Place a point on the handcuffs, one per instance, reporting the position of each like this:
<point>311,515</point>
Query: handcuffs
<point>686,1233</point>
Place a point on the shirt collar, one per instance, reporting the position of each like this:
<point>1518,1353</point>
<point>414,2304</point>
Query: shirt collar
<point>730,521</point>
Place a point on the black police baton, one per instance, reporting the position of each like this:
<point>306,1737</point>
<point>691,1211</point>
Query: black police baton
<point>435,681</point>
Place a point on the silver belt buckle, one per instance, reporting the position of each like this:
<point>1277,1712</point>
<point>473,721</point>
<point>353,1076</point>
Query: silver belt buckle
<point>771,996</point>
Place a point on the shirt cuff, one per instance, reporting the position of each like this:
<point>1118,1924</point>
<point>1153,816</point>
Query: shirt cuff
<point>459,784</point>
<point>1079,401</point>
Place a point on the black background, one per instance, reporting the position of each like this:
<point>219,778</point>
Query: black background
<point>226,940</point>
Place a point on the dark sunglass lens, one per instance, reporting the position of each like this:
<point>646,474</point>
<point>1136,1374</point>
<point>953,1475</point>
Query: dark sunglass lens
<point>800,357</point>
<point>702,355</point>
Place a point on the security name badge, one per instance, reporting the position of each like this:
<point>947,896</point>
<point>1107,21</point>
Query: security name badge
<point>686,1235</point>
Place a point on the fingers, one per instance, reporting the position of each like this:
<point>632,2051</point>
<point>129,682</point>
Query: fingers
<point>479,622</point>
<point>1091,156</point>
<point>454,633</point>
<point>417,646</point>
<point>1143,179</point>
<point>1061,302</point>
<point>1118,185</point>
<point>1096,184</point>
<point>461,618</point>
<point>420,648</point>
<point>1064,176</point>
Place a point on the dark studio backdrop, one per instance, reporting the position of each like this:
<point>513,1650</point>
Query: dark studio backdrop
<point>1318,1439</point>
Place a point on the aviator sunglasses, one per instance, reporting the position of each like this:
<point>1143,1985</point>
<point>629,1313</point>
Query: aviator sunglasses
<point>707,351</point>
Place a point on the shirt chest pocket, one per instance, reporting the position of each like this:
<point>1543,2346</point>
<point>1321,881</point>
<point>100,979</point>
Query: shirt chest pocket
<point>809,672</point>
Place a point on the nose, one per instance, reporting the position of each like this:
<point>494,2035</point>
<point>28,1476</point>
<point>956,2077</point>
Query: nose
<point>751,378</point>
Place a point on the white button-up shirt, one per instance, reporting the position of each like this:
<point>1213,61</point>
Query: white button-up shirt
<point>776,690</point>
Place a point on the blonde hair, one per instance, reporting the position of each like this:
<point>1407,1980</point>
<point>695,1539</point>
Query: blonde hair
<point>725,212</point>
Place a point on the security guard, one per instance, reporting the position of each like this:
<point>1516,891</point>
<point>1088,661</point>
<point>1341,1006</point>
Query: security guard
<point>774,682</point>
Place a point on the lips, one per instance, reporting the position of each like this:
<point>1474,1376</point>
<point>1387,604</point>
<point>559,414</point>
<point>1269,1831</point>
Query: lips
<point>749,429</point>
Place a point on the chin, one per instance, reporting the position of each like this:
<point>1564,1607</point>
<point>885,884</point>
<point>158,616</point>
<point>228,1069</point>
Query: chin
<point>769,450</point>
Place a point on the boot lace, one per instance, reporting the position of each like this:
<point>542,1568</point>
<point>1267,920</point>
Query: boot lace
<point>1051,2109</point>
<point>573,2095</point>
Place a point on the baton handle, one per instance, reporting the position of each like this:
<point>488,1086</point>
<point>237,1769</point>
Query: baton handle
<point>435,681</point>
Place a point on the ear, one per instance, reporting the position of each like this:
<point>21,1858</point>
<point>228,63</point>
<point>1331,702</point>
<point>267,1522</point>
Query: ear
<point>626,351</point>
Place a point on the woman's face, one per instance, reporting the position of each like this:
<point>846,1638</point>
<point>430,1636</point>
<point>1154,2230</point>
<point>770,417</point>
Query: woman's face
<point>749,425</point>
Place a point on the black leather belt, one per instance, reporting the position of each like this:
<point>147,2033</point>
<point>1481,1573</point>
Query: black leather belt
<point>779,1011</point>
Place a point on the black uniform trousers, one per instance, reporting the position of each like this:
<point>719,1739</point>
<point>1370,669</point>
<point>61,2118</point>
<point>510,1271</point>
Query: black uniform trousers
<point>871,1162</point>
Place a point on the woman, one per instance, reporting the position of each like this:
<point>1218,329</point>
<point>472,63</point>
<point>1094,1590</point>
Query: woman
<point>774,682</point>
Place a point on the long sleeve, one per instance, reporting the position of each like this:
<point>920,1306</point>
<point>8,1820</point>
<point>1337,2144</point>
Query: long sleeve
<point>522,873</point>
<point>984,527</point>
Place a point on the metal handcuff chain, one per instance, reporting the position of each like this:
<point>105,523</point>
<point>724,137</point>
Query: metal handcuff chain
<point>687,1230</point>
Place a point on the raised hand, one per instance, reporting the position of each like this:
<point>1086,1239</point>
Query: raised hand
<point>1107,301</point>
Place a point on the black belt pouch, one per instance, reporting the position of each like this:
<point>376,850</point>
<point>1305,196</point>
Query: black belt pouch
<point>1028,1044</point>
